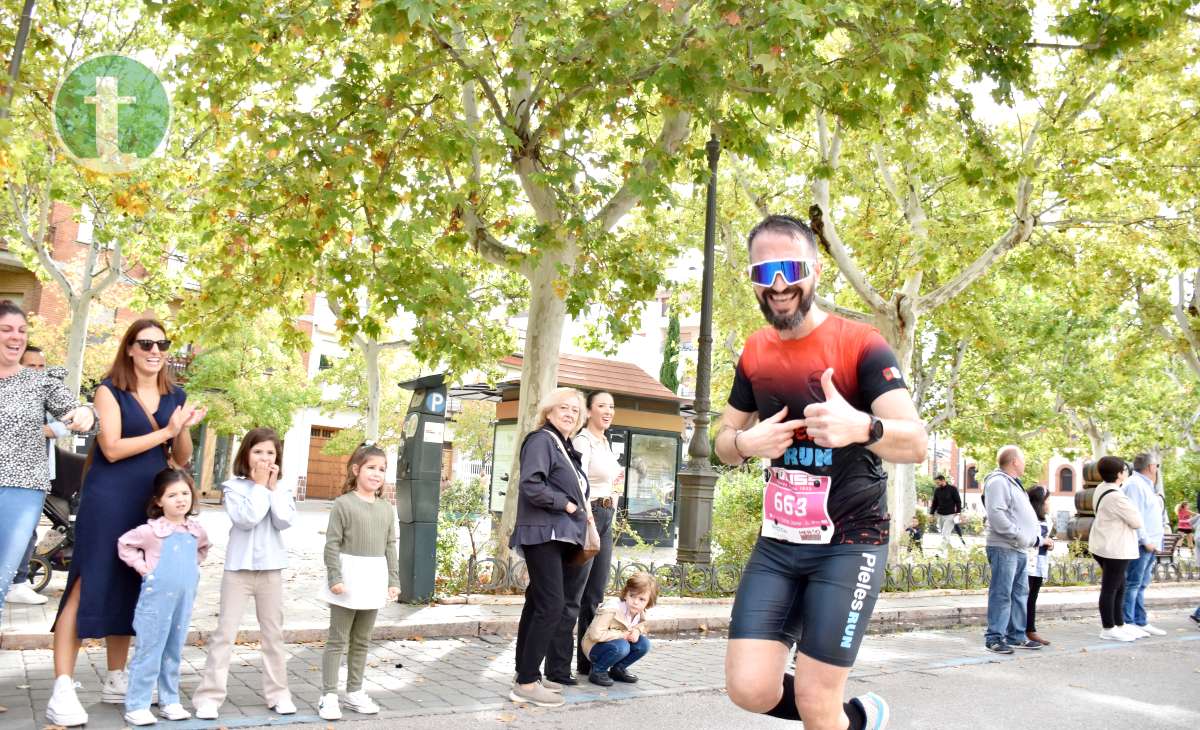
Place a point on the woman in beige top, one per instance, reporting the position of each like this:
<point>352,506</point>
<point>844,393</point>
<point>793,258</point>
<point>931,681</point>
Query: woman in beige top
<point>607,477</point>
<point>1113,543</point>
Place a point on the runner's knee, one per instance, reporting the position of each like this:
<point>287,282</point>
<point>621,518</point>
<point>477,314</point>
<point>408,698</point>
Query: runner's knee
<point>754,693</point>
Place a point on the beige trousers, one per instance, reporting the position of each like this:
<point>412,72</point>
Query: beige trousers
<point>237,587</point>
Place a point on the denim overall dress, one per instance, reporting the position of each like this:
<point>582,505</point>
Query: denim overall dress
<point>164,611</point>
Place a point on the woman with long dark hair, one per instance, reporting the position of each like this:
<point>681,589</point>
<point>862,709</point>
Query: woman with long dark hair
<point>144,422</point>
<point>605,477</point>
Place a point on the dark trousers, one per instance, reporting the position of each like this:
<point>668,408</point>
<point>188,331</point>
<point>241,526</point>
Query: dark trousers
<point>597,581</point>
<point>1112,591</point>
<point>547,626</point>
<point>1035,585</point>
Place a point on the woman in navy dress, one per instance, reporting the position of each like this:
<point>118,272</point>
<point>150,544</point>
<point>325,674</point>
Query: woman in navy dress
<point>130,450</point>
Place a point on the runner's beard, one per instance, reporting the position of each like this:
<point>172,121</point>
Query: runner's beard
<point>784,322</point>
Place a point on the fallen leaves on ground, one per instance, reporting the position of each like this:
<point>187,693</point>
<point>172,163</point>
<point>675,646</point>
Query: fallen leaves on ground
<point>506,717</point>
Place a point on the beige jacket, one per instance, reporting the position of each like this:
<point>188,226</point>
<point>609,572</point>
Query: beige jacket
<point>1114,531</point>
<point>609,625</point>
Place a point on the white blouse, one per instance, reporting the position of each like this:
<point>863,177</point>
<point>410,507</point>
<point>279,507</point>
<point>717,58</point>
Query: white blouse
<point>600,464</point>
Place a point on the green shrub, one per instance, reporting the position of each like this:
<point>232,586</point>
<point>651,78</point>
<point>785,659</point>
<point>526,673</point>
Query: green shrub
<point>737,515</point>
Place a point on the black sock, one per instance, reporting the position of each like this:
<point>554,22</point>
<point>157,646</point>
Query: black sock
<point>854,711</point>
<point>786,709</point>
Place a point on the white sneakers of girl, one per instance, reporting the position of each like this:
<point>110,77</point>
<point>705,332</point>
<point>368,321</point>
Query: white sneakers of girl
<point>174,711</point>
<point>328,707</point>
<point>64,707</point>
<point>361,703</point>
<point>141,717</point>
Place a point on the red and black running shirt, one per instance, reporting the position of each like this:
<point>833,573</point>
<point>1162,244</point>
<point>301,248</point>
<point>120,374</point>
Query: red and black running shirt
<point>774,372</point>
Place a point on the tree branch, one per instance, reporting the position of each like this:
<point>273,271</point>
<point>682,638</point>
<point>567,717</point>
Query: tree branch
<point>951,409</point>
<point>1018,232</point>
<point>829,306</point>
<point>674,131</point>
<point>37,241</point>
<point>1192,354</point>
<point>830,150</point>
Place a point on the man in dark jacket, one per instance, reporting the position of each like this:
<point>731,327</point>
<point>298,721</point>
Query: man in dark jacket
<point>945,507</point>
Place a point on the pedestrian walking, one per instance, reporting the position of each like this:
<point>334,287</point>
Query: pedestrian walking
<point>1143,490</point>
<point>605,476</point>
<point>551,528</point>
<point>1113,542</point>
<point>616,637</point>
<point>946,506</point>
<point>20,591</point>
<point>1038,562</point>
<point>166,552</point>
<point>823,398</point>
<point>363,572</point>
<point>1012,529</point>
<point>260,508</point>
<point>145,424</point>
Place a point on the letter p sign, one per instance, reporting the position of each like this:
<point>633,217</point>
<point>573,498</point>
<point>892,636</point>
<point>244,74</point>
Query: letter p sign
<point>435,403</point>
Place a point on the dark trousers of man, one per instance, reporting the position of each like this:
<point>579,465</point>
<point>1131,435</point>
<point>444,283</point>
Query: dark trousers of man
<point>547,627</point>
<point>597,580</point>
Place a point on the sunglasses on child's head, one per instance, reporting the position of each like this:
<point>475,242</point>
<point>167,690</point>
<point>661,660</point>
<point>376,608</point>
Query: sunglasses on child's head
<point>793,271</point>
<point>147,345</point>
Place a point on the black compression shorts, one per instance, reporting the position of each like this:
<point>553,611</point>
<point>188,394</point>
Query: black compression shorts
<point>816,597</point>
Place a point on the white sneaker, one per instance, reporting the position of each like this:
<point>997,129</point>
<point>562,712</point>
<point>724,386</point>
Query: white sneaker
<point>361,703</point>
<point>174,711</point>
<point>285,706</point>
<point>207,711</point>
<point>1153,630</point>
<point>1115,634</point>
<point>141,717</point>
<point>116,684</point>
<point>875,710</point>
<point>328,707</point>
<point>1136,632</point>
<point>24,593</point>
<point>64,707</point>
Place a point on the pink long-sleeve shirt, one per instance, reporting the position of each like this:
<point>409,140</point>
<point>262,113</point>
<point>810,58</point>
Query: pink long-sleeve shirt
<point>141,547</point>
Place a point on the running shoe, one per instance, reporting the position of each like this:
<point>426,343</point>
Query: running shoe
<point>875,709</point>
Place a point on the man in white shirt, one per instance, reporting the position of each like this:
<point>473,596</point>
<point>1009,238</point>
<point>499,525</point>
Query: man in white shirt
<point>1143,490</point>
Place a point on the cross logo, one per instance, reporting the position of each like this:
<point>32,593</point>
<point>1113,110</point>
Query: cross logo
<point>111,114</point>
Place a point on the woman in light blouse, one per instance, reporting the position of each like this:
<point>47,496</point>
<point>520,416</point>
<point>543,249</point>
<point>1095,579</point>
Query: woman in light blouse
<point>606,476</point>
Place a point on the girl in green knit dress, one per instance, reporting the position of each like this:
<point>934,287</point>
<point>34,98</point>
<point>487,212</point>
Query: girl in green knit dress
<point>361,561</point>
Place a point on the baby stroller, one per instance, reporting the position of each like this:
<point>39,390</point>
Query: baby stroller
<point>53,551</point>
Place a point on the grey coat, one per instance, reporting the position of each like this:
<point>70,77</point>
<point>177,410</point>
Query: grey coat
<point>549,479</point>
<point>1012,523</point>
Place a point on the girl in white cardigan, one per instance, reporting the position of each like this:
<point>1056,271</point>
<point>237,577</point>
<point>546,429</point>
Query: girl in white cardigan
<point>260,509</point>
<point>1113,543</point>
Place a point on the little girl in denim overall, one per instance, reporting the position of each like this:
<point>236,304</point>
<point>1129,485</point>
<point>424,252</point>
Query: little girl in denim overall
<point>166,552</point>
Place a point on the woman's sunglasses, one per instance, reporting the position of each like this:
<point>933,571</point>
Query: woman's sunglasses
<point>147,345</point>
<point>793,271</point>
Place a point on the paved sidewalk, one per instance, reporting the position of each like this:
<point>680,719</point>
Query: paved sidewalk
<point>307,617</point>
<point>466,676</point>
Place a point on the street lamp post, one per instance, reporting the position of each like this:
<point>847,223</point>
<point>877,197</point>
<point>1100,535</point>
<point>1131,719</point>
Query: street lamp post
<point>697,478</point>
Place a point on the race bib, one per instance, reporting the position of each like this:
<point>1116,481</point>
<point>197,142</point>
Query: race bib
<point>796,507</point>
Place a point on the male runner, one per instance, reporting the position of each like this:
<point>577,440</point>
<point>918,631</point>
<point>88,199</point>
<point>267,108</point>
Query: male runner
<point>830,404</point>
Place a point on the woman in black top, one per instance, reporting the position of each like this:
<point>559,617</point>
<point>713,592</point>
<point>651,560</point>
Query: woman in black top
<point>551,525</point>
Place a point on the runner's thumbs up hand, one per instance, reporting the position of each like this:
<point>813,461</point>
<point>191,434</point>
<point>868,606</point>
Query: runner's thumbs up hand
<point>835,422</point>
<point>769,437</point>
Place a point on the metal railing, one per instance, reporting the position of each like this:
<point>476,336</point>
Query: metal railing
<point>491,575</point>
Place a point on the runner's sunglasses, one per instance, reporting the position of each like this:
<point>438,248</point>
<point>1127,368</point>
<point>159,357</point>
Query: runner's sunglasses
<point>146,345</point>
<point>793,271</point>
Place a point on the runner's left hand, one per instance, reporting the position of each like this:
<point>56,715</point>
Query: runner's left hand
<point>393,593</point>
<point>835,423</point>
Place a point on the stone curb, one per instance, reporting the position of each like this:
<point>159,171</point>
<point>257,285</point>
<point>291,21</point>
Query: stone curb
<point>883,621</point>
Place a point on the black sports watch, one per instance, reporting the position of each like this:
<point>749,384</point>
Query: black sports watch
<point>875,432</point>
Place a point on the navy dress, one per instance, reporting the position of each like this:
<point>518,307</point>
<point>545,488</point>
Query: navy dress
<point>112,502</point>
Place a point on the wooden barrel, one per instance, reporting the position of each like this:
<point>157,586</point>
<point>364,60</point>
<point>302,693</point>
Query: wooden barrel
<point>1091,474</point>
<point>1080,527</point>
<point>1085,501</point>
